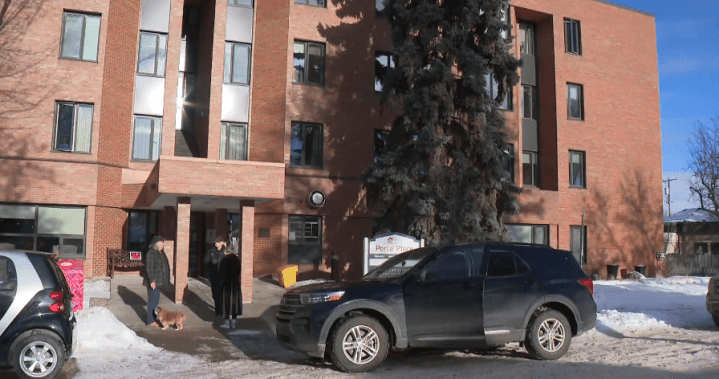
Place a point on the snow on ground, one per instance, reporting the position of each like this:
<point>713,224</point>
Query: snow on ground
<point>648,327</point>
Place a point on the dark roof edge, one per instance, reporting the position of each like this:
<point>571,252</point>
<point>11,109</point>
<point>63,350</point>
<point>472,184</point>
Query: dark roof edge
<point>626,7</point>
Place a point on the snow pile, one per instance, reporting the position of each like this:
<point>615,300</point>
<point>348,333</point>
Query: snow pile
<point>101,333</point>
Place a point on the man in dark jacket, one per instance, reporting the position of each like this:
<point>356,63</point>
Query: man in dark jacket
<point>157,275</point>
<point>229,279</point>
<point>212,265</point>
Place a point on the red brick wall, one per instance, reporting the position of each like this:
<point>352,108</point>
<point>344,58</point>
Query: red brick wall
<point>270,253</point>
<point>269,81</point>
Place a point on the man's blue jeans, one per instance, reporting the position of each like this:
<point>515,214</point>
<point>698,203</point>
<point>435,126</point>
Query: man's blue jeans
<point>153,299</point>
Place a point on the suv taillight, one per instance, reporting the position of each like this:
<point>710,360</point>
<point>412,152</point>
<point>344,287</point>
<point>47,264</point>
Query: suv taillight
<point>587,283</point>
<point>58,307</point>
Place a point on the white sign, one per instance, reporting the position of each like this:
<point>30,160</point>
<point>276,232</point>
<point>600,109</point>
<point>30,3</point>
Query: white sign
<point>379,249</point>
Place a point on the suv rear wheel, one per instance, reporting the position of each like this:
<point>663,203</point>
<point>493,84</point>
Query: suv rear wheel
<point>549,335</point>
<point>39,356</point>
<point>359,344</point>
<point>715,317</point>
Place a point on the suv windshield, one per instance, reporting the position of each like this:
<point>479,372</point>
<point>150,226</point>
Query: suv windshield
<point>399,264</point>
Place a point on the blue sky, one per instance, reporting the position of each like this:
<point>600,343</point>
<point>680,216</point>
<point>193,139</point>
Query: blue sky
<point>688,50</point>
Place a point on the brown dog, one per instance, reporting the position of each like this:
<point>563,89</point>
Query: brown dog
<point>167,318</point>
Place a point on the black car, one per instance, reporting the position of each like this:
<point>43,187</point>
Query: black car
<point>37,324</point>
<point>477,295</point>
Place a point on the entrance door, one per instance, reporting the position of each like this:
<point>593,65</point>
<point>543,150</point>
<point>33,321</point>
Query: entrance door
<point>197,243</point>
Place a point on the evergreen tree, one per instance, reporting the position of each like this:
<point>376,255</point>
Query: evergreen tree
<point>441,174</point>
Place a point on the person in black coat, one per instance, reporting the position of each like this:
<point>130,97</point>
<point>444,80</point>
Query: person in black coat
<point>156,276</point>
<point>211,262</point>
<point>229,279</point>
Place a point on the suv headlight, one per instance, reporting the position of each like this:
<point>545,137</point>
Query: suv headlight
<point>314,298</point>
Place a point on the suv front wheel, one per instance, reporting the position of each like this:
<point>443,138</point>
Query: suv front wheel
<point>549,335</point>
<point>39,356</point>
<point>359,344</point>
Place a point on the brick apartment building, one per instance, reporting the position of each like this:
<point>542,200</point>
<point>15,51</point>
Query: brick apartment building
<point>129,118</point>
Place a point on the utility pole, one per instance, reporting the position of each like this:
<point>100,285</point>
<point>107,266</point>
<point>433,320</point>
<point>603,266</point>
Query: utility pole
<point>669,195</point>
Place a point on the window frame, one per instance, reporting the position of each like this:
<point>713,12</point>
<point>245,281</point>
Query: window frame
<point>304,220</point>
<point>580,94</point>
<point>582,156</point>
<point>224,150</point>
<point>76,107</point>
<point>572,228</point>
<point>252,4</point>
<point>153,128</point>
<point>534,164</point>
<point>509,96</point>
<point>36,234</point>
<point>509,161</point>
<point>307,2</point>
<point>306,58</point>
<point>525,37</point>
<point>228,77</point>
<point>534,228</point>
<point>533,102</point>
<point>303,163</point>
<point>82,36</point>
<point>158,49</point>
<point>572,42</point>
<point>390,66</point>
<point>152,218</point>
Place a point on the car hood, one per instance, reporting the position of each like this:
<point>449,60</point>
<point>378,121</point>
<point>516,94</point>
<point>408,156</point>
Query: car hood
<point>337,286</point>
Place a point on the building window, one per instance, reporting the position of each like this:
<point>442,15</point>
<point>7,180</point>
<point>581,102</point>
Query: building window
<point>526,38</point>
<point>379,6</point>
<point>493,92</point>
<point>508,160</point>
<point>233,141</point>
<point>44,228</point>
<point>382,64</point>
<point>572,37</point>
<point>577,177</point>
<point>536,234</point>
<point>240,3</point>
<point>380,143</point>
<point>575,101</point>
<point>305,239</point>
<point>309,63</point>
<point>153,54</point>
<point>306,145</point>
<point>529,102</point>
<point>576,242</point>
<point>73,127</point>
<point>80,36</point>
<point>141,227</point>
<point>146,142</point>
<point>530,168</point>
<point>316,3</point>
<point>237,63</point>
<point>701,248</point>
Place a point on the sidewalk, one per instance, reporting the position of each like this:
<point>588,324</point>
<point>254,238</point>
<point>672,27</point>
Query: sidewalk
<point>253,338</point>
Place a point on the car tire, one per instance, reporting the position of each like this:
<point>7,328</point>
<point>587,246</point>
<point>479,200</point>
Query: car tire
<point>549,335</point>
<point>360,330</point>
<point>39,356</point>
<point>715,317</point>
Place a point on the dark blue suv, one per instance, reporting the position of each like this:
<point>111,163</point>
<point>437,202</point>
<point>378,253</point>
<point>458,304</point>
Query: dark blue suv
<point>37,325</point>
<point>477,295</point>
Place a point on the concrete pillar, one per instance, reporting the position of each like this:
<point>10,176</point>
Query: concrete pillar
<point>182,248</point>
<point>246,247</point>
<point>167,230</point>
<point>220,223</point>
